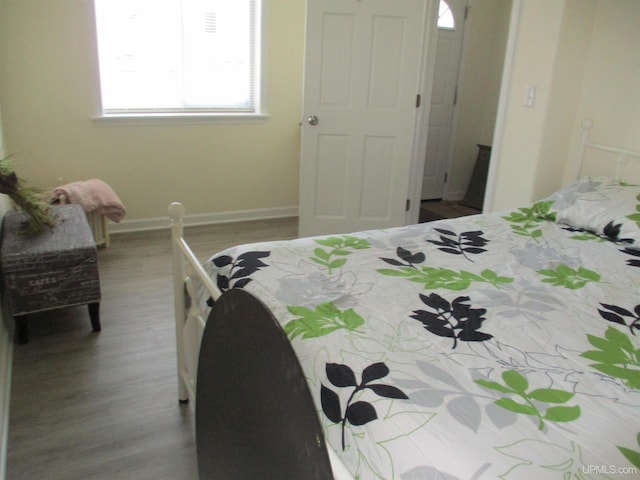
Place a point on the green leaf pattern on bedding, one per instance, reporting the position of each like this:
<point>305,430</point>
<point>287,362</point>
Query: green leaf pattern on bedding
<point>326,318</point>
<point>616,355</point>
<point>632,455</point>
<point>635,217</point>
<point>515,383</point>
<point>586,236</point>
<point>337,247</point>
<point>526,221</point>
<point>434,278</point>
<point>564,276</point>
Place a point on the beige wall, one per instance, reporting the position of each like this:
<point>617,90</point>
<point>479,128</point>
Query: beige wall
<point>49,92</point>
<point>610,93</point>
<point>568,72</point>
<point>533,60</point>
<point>582,55</point>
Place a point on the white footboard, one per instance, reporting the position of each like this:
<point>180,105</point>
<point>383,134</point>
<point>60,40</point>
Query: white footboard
<point>190,320</point>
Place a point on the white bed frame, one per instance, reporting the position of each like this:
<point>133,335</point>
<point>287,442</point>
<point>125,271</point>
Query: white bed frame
<point>188,271</point>
<point>622,155</point>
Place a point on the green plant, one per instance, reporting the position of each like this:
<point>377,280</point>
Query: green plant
<point>28,199</point>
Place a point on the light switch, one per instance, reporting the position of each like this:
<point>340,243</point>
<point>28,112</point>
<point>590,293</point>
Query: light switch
<point>529,96</point>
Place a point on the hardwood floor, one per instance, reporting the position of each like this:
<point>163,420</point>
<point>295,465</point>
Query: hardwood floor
<point>104,405</point>
<point>431,210</point>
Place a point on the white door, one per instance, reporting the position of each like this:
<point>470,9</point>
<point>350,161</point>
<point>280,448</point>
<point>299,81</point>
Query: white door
<point>450,34</point>
<point>362,76</point>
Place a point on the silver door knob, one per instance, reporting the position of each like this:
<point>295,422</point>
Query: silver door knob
<point>312,119</point>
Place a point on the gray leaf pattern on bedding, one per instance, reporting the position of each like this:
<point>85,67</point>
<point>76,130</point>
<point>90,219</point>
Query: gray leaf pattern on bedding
<point>420,473</point>
<point>530,301</point>
<point>543,381</point>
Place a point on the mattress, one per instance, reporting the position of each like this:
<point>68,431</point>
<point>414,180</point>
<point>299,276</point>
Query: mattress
<point>492,346</point>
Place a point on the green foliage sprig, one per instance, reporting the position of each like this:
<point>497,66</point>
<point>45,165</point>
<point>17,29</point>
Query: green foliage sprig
<point>632,455</point>
<point>635,217</point>
<point>337,247</point>
<point>325,319</point>
<point>615,355</point>
<point>28,199</point>
<point>516,384</point>
<point>433,277</point>
<point>526,221</point>
<point>565,276</point>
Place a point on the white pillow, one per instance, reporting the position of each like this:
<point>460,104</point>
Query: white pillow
<point>602,206</point>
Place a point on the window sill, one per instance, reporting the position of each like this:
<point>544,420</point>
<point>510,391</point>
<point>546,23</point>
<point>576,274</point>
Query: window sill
<point>150,119</point>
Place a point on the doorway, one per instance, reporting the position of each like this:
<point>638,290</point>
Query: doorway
<point>474,103</point>
<point>344,188</point>
<point>451,22</point>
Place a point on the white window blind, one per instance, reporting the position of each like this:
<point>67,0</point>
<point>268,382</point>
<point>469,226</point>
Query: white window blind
<point>178,56</point>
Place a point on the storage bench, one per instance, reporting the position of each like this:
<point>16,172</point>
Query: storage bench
<point>57,268</point>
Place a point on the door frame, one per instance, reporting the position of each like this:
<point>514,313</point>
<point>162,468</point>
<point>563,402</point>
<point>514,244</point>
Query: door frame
<point>420,134</point>
<point>501,120</point>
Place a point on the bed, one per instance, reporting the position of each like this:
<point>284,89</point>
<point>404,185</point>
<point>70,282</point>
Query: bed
<point>503,345</point>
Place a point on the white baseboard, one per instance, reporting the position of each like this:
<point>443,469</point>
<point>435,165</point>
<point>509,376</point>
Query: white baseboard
<point>203,219</point>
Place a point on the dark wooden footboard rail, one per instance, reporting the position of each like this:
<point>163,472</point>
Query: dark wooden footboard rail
<point>255,417</point>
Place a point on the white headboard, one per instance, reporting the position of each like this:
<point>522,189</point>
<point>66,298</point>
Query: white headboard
<point>603,155</point>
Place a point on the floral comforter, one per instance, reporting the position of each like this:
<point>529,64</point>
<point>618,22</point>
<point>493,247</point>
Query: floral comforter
<point>491,346</point>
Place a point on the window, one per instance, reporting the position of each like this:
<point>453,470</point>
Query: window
<point>445,16</point>
<point>179,56</point>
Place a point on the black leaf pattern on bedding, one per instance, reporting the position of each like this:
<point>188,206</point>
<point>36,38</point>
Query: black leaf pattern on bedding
<point>454,319</point>
<point>357,413</point>
<point>238,270</point>
<point>617,314</point>
<point>634,253</point>
<point>612,232</point>
<point>461,244</point>
<point>410,259</point>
